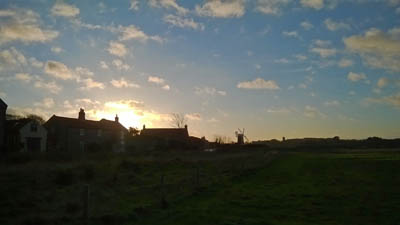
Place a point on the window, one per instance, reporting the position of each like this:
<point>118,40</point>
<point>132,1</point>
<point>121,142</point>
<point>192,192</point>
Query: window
<point>82,132</point>
<point>99,133</point>
<point>33,127</point>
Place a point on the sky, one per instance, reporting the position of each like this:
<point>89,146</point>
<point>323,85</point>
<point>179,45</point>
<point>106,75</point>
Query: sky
<point>277,68</point>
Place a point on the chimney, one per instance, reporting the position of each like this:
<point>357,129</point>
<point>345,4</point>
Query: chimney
<point>116,118</point>
<point>81,114</point>
<point>144,126</point>
<point>186,126</point>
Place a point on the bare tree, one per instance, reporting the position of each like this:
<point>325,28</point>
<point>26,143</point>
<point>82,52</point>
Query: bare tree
<point>178,120</point>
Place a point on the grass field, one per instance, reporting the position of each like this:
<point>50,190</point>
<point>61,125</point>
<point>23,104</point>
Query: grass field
<point>234,187</point>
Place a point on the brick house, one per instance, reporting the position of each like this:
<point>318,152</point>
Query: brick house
<point>80,134</point>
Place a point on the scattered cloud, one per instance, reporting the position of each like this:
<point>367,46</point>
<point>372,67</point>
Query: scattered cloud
<point>271,7</point>
<point>134,5</point>
<point>23,25</point>
<point>182,22</point>
<point>293,34</point>
<point>314,4</point>
<point>122,83</point>
<point>45,103</point>
<point>64,9</point>
<point>306,25</point>
<point>51,86</point>
<point>282,61</point>
<point>377,48</point>
<point>324,52</point>
<point>354,77</point>
<point>392,100</point>
<point>283,110</point>
<point>116,48</point>
<point>59,70</point>
<point>104,65</point>
<point>156,80</point>
<point>345,63</point>
<point>259,83</point>
<point>11,58</point>
<point>89,83</point>
<point>332,103</point>
<point>168,4</point>
<point>26,77</point>
<point>300,57</point>
<point>120,65</point>
<point>133,32</point>
<point>208,91</point>
<point>313,112</point>
<point>35,63</point>
<point>222,9</point>
<point>382,82</point>
<point>56,49</point>
<point>334,26</point>
<point>193,116</point>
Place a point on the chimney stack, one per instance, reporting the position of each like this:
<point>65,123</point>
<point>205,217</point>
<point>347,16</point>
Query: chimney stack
<point>144,126</point>
<point>186,126</point>
<point>81,114</point>
<point>116,118</point>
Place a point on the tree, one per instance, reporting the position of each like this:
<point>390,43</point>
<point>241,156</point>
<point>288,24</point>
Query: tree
<point>178,120</point>
<point>36,118</point>
<point>133,131</point>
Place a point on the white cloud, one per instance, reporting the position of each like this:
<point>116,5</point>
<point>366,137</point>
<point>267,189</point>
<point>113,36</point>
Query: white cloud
<point>276,110</point>
<point>208,91</point>
<point>271,7</point>
<point>64,9</point>
<point>82,71</point>
<point>52,86</point>
<point>168,4</point>
<point>36,63</point>
<point>116,48</point>
<point>59,70</point>
<point>222,9</point>
<point>300,57</point>
<point>324,52</point>
<point>259,83</point>
<point>333,26</point>
<point>120,65</point>
<point>104,65</point>
<point>313,112</point>
<point>315,4</point>
<point>26,77</point>
<point>156,80</point>
<point>23,25</point>
<point>56,49</point>
<point>306,25</point>
<point>321,43</point>
<point>45,103</point>
<point>354,77</point>
<point>345,63</point>
<point>293,34</point>
<point>382,82</point>
<point>166,87</point>
<point>134,5</point>
<point>11,58</point>
<point>132,32</point>
<point>193,116</point>
<point>377,48</point>
<point>183,22</point>
<point>332,103</point>
<point>122,83</point>
<point>89,83</point>
<point>282,61</point>
<point>393,100</point>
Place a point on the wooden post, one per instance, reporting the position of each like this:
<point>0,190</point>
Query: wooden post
<point>85,198</point>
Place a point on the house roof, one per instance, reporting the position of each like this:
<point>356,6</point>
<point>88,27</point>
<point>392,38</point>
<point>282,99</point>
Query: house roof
<point>84,124</point>
<point>3,104</point>
<point>177,133</point>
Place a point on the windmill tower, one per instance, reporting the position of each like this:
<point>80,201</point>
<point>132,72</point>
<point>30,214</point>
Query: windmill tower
<point>240,136</point>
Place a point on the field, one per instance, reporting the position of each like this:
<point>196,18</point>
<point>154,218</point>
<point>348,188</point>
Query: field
<point>238,186</point>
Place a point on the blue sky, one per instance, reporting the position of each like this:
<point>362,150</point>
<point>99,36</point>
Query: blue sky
<point>308,68</point>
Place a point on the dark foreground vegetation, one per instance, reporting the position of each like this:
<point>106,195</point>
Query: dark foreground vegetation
<point>231,186</point>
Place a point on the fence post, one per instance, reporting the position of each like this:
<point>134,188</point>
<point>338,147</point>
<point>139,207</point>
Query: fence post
<point>85,198</point>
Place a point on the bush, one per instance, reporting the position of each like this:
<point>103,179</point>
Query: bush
<point>64,177</point>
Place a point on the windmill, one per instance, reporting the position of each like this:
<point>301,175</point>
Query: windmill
<point>240,136</point>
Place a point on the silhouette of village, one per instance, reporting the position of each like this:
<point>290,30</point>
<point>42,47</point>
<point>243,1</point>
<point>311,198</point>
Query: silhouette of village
<point>63,134</point>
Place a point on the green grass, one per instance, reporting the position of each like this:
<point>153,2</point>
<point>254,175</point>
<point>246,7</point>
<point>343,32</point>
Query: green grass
<point>235,187</point>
